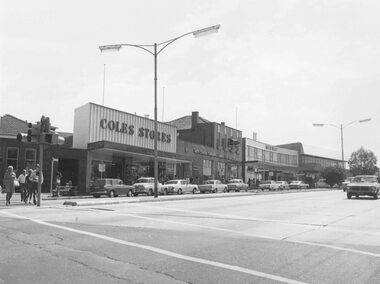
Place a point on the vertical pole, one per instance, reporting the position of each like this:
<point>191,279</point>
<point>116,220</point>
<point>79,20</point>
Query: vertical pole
<point>41,156</point>
<point>155,124</point>
<point>341,141</point>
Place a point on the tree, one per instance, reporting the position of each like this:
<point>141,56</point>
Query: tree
<point>363,162</point>
<point>333,175</point>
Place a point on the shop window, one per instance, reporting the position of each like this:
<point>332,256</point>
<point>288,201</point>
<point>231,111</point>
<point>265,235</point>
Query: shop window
<point>30,158</point>
<point>12,158</point>
<point>207,167</point>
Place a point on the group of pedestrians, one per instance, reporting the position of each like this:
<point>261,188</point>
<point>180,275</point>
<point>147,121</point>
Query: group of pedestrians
<point>27,181</point>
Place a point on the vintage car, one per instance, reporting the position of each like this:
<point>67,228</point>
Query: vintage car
<point>367,185</point>
<point>268,185</point>
<point>179,186</point>
<point>282,185</point>
<point>237,185</point>
<point>145,185</point>
<point>212,185</point>
<point>346,182</point>
<point>111,187</point>
<point>321,183</point>
<point>297,184</point>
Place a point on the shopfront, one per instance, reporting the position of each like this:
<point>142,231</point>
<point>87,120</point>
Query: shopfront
<point>121,145</point>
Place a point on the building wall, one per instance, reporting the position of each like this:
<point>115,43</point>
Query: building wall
<point>93,123</point>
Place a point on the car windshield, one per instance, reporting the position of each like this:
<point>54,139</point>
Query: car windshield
<point>365,179</point>
<point>143,180</point>
<point>296,182</point>
<point>171,182</point>
<point>209,182</point>
<point>234,181</point>
<point>280,182</point>
<point>265,182</point>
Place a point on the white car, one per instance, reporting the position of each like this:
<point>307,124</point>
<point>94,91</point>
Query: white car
<point>268,184</point>
<point>179,186</point>
<point>145,185</point>
<point>236,185</point>
<point>213,186</point>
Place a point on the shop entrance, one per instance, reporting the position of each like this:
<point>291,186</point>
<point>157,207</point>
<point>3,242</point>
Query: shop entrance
<point>69,169</point>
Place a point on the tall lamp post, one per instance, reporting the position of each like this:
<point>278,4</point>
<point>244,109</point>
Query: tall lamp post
<point>155,49</point>
<point>341,127</point>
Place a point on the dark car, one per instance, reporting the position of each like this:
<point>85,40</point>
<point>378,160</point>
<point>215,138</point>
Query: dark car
<point>111,187</point>
<point>367,185</point>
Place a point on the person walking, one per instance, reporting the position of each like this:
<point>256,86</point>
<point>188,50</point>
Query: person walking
<point>35,176</point>
<point>22,180</point>
<point>28,183</point>
<point>8,183</point>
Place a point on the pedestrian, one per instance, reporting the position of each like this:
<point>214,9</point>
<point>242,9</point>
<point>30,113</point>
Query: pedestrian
<point>34,177</point>
<point>28,183</point>
<point>8,183</point>
<point>22,180</point>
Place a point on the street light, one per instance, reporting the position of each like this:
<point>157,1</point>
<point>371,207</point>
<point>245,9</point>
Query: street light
<point>157,48</point>
<point>341,127</point>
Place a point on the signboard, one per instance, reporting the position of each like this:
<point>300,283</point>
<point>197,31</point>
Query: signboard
<point>102,168</point>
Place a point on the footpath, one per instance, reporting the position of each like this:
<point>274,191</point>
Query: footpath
<point>88,200</point>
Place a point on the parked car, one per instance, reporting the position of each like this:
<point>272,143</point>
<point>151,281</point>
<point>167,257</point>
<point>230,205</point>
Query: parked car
<point>179,186</point>
<point>237,185</point>
<point>297,184</point>
<point>145,185</point>
<point>111,187</point>
<point>346,182</point>
<point>268,184</point>
<point>213,186</point>
<point>282,185</point>
<point>321,183</point>
<point>367,185</point>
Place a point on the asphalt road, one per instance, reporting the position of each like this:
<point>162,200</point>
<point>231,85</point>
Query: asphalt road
<point>306,237</point>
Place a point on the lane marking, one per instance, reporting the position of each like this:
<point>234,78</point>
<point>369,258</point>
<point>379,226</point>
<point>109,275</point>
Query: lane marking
<point>299,224</point>
<point>163,252</point>
<point>246,234</point>
<point>228,216</point>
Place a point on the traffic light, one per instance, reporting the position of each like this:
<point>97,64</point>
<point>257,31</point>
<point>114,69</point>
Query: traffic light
<point>21,137</point>
<point>53,138</point>
<point>33,134</point>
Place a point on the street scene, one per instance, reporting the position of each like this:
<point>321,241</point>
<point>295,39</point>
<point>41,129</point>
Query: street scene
<point>294,237</point>
<point>209,141</point>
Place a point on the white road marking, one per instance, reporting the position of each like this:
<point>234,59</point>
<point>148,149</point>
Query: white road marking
<point>244,233</point>
<point>299,224</point>
<point>163,252</point>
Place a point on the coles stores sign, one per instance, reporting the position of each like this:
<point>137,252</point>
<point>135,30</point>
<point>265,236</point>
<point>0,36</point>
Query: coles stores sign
<point>130,129</point>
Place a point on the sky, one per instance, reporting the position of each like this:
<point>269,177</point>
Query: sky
<point>273,68</point>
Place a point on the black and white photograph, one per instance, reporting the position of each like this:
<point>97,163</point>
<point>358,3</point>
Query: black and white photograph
<point>190,141</point>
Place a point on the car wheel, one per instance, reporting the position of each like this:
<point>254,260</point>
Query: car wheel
<point>179,191</point>
<point>111,194</point>
<point>225,190</point>
<point>150,193</point>
<point>215,190</point>
<point>129,193</point>
<point>348,196</point>
<point>194,191</point>
<point>96,195</point>
<point>376,196</point>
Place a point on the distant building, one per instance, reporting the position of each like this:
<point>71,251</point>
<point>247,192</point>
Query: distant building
<point>214,149</point>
